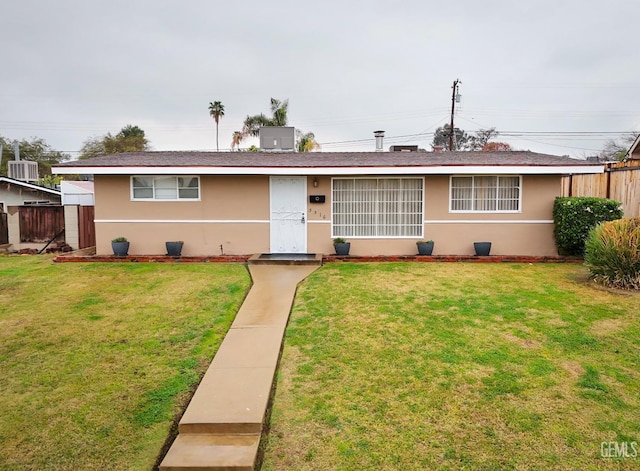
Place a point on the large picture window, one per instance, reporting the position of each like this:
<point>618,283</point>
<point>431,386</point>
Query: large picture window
<point>165,188</point>
<point>377,207</point>
<point>485,193</point>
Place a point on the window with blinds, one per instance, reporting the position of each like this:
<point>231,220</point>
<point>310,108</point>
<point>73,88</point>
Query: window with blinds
<point>165,188</point>
<point>485,193</point>
<point>377,207</point>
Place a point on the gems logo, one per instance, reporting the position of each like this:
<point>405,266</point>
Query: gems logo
<point>618,450</point>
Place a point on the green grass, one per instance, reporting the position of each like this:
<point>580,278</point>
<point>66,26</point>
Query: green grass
<point>96,360</point>
<point>456,366</point>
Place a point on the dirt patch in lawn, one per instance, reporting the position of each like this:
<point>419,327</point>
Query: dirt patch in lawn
<point>608,326</point>
<point>527,343</point>
<point>573,368</point>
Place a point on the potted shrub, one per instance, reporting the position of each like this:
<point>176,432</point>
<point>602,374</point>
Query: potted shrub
<point>482,248</point>
<point>341,246</point>
<point>425,247</point>
<point>174,248</point>
<point>120,246</point>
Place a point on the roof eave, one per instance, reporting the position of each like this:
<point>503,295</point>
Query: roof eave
<point>30,186</point>
<point>395,170</point>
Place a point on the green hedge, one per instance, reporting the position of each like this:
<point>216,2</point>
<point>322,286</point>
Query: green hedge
<point>574,217</point>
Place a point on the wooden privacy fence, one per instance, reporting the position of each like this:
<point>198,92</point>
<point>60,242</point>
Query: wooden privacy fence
<point>620,181</point>
<point>86,227</point>
<point>4,229</point>
<point>40,223</point>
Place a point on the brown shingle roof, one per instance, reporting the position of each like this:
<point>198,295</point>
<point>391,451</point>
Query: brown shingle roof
<point>324,159</point>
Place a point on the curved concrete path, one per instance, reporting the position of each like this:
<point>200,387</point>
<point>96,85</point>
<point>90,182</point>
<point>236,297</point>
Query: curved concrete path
<point>221,427</point>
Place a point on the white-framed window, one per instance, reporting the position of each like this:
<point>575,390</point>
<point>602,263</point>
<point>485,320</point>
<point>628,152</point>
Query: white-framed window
<point>165,188</point>
<point>377,207</point>
<point>485,193</point>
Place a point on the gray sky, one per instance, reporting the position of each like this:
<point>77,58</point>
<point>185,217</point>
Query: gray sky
<point>76,69</point>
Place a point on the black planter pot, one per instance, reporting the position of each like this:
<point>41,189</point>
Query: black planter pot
<point>174,249</point>
<point>120,249</point>
<point>482,248</point>
<point>425,248</point>
<point>342,248</point>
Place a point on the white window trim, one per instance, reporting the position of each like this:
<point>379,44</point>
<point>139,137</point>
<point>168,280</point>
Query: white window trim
<point>380,177</point>
<point>497,211</point>
<point>164,200</point>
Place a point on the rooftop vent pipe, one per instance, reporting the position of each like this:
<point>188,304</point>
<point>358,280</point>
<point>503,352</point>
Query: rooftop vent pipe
<point>379,138</point>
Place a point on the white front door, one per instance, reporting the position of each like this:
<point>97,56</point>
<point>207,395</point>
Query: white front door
<point>288,196</point>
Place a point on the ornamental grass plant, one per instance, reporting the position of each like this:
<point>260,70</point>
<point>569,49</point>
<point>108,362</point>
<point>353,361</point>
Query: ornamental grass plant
<point>613,253</point>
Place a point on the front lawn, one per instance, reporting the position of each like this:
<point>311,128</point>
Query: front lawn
<point>97,359</point>
<point>456,366</point>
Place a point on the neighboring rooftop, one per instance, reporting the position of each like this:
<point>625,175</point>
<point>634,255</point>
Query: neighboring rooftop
<point>32,186</point>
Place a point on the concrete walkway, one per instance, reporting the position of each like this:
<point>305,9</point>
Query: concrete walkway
<point>221,427</point>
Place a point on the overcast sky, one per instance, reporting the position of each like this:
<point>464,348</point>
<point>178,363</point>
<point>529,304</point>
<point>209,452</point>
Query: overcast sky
<point>76,69</point>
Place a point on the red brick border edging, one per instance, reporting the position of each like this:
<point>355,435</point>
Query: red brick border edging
<point>152,259</point>
<point>452,258</point>
<point>325,258</point>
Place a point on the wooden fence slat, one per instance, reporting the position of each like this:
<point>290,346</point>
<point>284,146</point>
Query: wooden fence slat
<point>4,229</point>
<point>620,182</point>
<point>86,227</point>
<point>40,223</point>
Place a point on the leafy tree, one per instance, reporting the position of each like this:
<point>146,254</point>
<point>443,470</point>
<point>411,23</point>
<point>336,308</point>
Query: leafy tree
<point>481,138</point>
<point>441,138</point>
<point>279,108</point>
<point>496,147</point>
<point>36,150</point>
<point>216,110</point>
<point>479,141</point>
<point>306,142</point>
<point>129,139</point>
<point>53,180</point>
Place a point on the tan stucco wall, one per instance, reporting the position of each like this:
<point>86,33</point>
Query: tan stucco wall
<point>221,199</point>
<point>538,193</point>
<point>230,199</point>
<point>509,238</point>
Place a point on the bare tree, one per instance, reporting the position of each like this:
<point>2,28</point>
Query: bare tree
<point>482,137</point>
<point>617,149</point>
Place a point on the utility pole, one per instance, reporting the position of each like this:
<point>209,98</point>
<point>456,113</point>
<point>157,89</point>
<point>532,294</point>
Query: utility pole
<point>454,95</point>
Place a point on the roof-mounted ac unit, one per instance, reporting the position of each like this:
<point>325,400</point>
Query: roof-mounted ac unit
<point>23,170</point>
<point>277,138</point>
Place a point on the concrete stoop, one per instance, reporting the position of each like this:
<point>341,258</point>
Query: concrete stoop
<point>285,259</point>
<point>222,426</point>
<point>197,452</point>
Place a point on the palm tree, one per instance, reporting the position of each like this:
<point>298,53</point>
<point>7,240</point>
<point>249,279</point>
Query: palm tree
<point>279,112</point>
<point>216,110</point>
<point>236,138</point>
<point>252,124</point>
<point>306,142</point>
